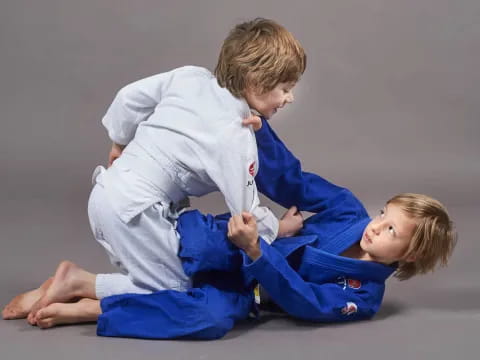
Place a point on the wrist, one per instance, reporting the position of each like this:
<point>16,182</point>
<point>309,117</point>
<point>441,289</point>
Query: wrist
<point>281,229</point>
<point>253,251</point>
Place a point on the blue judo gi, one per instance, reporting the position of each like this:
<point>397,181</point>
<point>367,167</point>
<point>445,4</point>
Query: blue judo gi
<point>304,275</point>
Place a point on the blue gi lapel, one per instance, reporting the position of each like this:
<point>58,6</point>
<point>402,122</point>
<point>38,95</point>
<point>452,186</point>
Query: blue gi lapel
<point>320,266</point>
<point>342,241</point>
<point>288,245</point>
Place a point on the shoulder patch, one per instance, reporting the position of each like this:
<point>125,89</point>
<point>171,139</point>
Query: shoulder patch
<point>349,309</point>
<point>354,284</point>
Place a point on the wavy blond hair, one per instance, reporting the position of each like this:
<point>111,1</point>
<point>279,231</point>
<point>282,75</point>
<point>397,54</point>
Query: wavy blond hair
<point>261,54</point>
<point>434,237</point>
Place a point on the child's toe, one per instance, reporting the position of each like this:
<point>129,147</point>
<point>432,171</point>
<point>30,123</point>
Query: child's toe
<point>47,312</point>
<point>45,323</point>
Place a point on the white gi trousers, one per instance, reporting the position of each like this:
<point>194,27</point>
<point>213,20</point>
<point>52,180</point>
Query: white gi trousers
<point>145,249</point>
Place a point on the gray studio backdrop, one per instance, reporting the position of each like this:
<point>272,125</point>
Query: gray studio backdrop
<point>389,103</point>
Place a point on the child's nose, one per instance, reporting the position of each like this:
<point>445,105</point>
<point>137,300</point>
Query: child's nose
<point>376,228</point>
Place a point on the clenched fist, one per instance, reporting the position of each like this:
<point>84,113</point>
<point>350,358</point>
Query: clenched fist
<point>242,232</point>
<point>290,223</point>
<point>253,120</point>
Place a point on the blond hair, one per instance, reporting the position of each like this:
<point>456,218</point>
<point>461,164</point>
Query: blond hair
<point>261,54</point>
<point>434,237</point>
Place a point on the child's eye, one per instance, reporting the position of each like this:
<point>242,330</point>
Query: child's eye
<point>382,212</point>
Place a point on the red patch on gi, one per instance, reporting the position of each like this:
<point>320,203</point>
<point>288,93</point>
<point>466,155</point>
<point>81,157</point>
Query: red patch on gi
<point>349,309</point>
<point>354,284</point>
<point>251,168</point>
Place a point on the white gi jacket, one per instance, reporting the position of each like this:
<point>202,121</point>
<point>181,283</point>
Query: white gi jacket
<point>185,137</point>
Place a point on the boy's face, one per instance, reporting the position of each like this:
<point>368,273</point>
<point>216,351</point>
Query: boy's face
<point>387,237</point>
<point>268,103</point>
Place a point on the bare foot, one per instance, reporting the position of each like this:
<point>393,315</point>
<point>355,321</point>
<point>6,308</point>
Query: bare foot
<point>85,310</point>
<point>70,282</point>
<point>20,305</point>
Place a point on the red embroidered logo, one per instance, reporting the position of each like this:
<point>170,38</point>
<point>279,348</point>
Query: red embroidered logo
<point>251,168</point>
<point>354,284</point>
<point>349,309</point>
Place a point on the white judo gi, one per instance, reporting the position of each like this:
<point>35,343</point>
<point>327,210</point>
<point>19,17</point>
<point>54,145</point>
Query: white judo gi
<point>185,137</point>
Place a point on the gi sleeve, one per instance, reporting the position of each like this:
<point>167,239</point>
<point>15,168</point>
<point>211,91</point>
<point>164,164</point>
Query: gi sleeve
<point>200,313</point>
<point>232,167</point>
<point>133,104</point>
<point>280,176</point>
<point>204,245</point>
<point>323,302</point>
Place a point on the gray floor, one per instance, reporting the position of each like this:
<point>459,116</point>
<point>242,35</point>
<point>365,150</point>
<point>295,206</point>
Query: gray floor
<point>432,317</point>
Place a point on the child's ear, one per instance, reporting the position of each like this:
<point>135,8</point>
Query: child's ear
<point>411,258</point>
<point>251,85</point>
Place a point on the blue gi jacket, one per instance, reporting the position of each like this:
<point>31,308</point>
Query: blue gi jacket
<point>305,275</point>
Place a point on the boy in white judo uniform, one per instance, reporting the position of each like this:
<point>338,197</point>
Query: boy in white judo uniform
<point>182,135</point>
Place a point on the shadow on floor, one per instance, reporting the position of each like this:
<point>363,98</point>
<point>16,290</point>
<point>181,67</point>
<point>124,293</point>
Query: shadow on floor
<point>281,322</point>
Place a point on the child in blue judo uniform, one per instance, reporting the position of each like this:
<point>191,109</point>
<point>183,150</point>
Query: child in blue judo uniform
<point>333,270</point>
